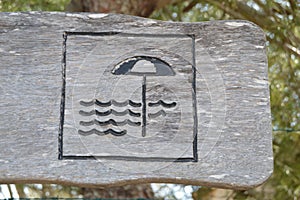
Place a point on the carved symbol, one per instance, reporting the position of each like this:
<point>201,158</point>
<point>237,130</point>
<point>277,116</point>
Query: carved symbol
<point>104,97</point>
<point>137,66</point>
<point>150,66</point>
<point>107,113</point>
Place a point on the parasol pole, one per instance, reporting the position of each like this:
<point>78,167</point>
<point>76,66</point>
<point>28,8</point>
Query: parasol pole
<point>144,106</point>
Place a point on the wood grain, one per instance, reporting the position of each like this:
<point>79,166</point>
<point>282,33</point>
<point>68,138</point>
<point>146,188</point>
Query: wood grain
<point>229,107</point>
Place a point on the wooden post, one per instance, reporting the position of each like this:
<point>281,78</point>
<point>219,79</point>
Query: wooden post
<point>105,99</point>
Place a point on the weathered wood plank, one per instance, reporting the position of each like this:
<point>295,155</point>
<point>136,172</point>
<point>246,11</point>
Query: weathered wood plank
<point>212,75</point>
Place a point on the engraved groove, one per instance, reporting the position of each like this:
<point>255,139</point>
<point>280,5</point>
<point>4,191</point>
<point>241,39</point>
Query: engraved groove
<point>110,121</point>
<point>102,133</point>
<point>157,114</point>
<point>109,112</point>
<point>162,103</point>
<point>109,103</point>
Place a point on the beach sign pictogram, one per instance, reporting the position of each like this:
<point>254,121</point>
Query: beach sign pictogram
<point>135,98</point>
<point>159,68</point>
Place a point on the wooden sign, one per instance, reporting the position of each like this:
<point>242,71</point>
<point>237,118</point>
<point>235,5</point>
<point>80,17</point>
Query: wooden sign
<point>104,99</point>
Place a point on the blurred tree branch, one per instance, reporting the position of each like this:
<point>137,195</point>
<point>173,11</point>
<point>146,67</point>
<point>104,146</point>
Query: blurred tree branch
<point>132,7</point>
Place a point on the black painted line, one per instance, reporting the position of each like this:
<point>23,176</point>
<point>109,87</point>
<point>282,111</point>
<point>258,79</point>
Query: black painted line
<point>130,158</point>
<point>108,122</point>
<point>63,94</point>
<point>109,112</point>
<point>144,106</point>
<point>102,133</point>
<point>162,103</point>
<point>157,114</point>
<point>106,33</point>
<point>195,128</point>
<point>110,33</point>
<point>87,103</point>
<point>109,103</point>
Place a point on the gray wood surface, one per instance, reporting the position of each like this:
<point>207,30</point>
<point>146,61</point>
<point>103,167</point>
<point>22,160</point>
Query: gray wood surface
<point>218,129</point>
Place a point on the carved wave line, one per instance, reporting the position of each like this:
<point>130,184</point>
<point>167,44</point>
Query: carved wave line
<point>110,121</point>
<point>109,103</point>
<point>162,103</point>
<point>109,112</point>
<point>102,133</point>
<point>157,114</point>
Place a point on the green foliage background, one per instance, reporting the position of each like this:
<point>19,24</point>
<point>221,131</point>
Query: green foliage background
<point>281,23</point>
<point>280,19</point>
<point>32,5</point>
